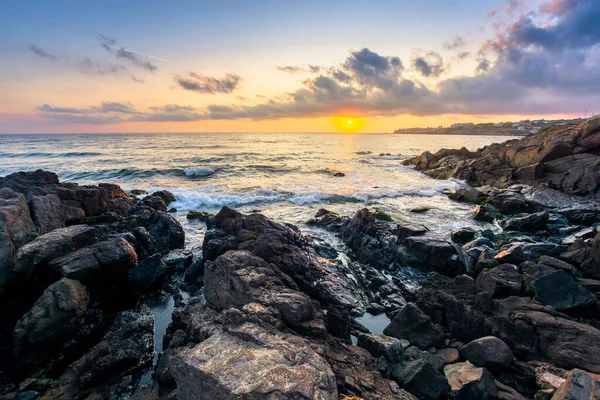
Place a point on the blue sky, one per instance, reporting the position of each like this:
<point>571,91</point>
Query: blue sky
<point>272,65</point>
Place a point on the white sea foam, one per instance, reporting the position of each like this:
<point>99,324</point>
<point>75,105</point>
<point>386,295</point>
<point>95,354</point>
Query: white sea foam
<point>200,171</point>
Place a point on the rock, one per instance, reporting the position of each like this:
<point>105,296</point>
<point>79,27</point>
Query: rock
<point>125,349</point>
<point>339,174</point>
<point>199,215</point>
<point>52,320</point>
<point>531,222</point>
<point>579,385</point>
<point>159,200</point>
<point>382,346</point>
<point>469,382</point>
<point>449,355</point>
<point>259,364</point>
<point>49,213</point>
<point>501,281</point>
<point>407,230</point>
<point>147,274</point>
<point>462,235</point>
<point>559,291</point>
<point>592,285</point>
<point>558,264</point>
<point>160,233</point>
<point>106,262</point>
<point>487,213</point>
<point>509,202</point>
<point>421,379</point>
<point>328,220</point>
<point>437,254</point>
<point>479,242</point>
<point>36,255</point>
<point>512,254</point>
<point>469,195</point>
<point>489,352</point>
<point>412,324</point>
<point>337,320</point>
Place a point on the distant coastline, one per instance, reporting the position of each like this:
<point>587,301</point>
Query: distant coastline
<point>520,128</point>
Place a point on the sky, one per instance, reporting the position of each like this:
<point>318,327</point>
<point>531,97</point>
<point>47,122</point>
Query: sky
<point>283,66</point>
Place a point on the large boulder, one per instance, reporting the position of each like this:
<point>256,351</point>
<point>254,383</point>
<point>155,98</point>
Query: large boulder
<point>414,325</point>
<point>52,320</point>
<point>35,256</point>
<point>531,222</point>
<point>469,382</point>
<point>103,262</point>
<point>248,362</point>
<point>489,352</point>
<point>49,213</point>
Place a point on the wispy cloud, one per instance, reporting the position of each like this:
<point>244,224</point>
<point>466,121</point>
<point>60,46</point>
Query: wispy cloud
<point>313,69</point>
<point>109,44</point>
<point>41,52</point>
<point>208,84</point>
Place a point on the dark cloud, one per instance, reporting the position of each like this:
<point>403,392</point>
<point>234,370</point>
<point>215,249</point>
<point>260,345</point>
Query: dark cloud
<point>455,44</point>
<point>463,54</point>
<point>429,65</point>
<point>483,65</point>
<point>41,52</point>
<point>208,84</point>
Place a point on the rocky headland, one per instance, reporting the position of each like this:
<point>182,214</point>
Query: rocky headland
<point>265,311</point>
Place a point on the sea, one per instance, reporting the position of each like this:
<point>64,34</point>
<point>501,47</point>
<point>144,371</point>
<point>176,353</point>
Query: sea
<point>286,176</point>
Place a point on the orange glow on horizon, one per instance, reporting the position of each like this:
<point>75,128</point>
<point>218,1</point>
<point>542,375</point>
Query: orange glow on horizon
<point>348,124</point>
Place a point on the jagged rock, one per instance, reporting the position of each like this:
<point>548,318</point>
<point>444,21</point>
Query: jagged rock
<point>32,258</point>
<point>51,321</point>
<point>259,363</point>
<point>49,213</point>
<point>412,324</point>
<point>382,346</point>
<point>407,230</point>
<point>479,242</point>
<point>462,235</point>
<point>328,220</point>
<point>449,355</point>
<point>531,222</point>
<point>421,379</point>
<point>469,382</point>
<point>199,215</point>
<point>501,281</point>
<point>489,352</point>
<point>579,385</point>
<point>559,291</point>
<point>103,262</point>
<point>126,348</point>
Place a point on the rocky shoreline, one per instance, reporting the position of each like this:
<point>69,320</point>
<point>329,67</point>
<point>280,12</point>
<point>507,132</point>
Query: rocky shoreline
<point>263,311</point>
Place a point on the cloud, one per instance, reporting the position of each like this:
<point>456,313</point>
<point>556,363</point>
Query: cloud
<point>463,54</point>
<point>455,44</point>
<point>110,44</point>
<point>483,66</point>
<point>98,67</point>
<point>429,65</point>
<point>41,52</point>
<point>136,79</point>
<point>313,69</point>
<point>207,84</point>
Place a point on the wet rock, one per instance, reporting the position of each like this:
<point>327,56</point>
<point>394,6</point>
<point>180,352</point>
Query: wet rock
<point>126,348</point>
<point>421,379</point>
<point>489,352</point>
<point>412,324</point>
<point>36,255</point>
<point>487,213</point>
<point>103,262</point>
<point>463,235</point>
<point>509,202</point>
<point>479,242</point>
<point>579,385</point>
<point>259,363</point>
<point>382,346</point>
<point>159,233</point>
<point>469,382</point>
<point>531,222</point>
<point>49,213</point>
<point>501,281</point>
<point>559,291</point>
<point>404,231</point>
<point>199,215</point>
<point>52,320</point>
<point>328,220</point>
<point>338,322</point>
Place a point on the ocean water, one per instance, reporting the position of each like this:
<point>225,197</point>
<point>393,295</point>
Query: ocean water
<point>287,176</point>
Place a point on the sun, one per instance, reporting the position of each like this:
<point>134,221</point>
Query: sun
<point>347,124</point>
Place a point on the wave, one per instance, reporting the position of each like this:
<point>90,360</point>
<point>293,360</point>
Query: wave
<point>199,171</point>
<point>51,155</point>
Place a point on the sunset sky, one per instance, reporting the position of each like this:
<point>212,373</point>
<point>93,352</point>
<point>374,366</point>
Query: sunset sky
<point>279,66</point>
